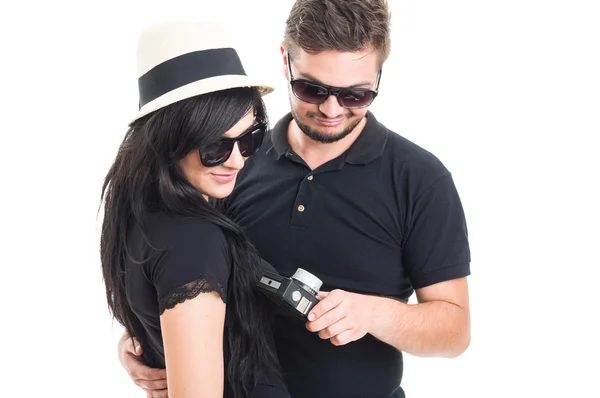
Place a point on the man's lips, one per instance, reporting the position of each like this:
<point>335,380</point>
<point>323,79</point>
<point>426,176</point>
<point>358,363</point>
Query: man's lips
<point>328,122</point>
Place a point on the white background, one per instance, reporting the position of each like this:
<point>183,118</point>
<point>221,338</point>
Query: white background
<point>505,93</point>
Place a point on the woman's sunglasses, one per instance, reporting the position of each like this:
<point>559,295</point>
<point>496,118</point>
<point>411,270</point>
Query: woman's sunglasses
<point>316,93</point>
<point>249,142</point>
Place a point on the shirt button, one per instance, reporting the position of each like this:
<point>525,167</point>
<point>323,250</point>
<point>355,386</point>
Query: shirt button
<point>309,178</point>
<point>300,208</point>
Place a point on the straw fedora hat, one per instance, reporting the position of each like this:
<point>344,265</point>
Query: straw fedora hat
<point>179,60</point>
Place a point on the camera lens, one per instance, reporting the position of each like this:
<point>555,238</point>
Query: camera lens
<point>310,282</point>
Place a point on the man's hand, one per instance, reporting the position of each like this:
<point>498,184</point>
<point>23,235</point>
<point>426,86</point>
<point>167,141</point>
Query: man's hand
<point>340,316</point>
<point>152,381</point>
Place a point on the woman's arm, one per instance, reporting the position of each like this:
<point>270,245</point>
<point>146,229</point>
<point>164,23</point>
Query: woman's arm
<point>192,333</point>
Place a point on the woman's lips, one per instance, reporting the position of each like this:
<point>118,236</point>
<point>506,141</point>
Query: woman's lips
<point>223,178</point>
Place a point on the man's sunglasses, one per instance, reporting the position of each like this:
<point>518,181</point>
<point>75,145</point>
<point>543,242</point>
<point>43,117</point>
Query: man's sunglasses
<point>316,93</point>
<point>249,142</point>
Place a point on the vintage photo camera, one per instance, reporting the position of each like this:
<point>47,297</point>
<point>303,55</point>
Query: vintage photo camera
<point>297,294</point>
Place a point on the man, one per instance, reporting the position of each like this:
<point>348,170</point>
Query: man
<point>368,212</point>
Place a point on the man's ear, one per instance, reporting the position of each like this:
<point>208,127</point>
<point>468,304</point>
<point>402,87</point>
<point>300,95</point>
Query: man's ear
<point>284,56</point>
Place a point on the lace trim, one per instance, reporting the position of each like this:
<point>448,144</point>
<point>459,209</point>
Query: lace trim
<point>189,291</point>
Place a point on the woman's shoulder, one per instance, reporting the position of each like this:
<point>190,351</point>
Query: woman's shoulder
<point>190,255</point>
<point>166,227</point>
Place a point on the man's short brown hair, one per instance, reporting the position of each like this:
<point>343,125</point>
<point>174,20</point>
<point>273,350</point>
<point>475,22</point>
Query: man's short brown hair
<point>339,25</point>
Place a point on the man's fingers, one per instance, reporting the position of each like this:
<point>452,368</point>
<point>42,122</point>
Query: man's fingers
<point>335,329</point>
<point>342,338</point>
<point>133,347</point>
<point>154,374</point>
<point>141,373</point>
<point>152,385</point>
<point>330,301</point>
<point>137,348</point>
<point>157,394</point>
<point>326,320</point>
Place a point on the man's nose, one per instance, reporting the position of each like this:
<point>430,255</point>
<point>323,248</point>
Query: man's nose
<point>331,107</point>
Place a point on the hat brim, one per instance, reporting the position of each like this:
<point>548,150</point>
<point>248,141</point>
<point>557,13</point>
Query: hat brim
<point>205,86</point>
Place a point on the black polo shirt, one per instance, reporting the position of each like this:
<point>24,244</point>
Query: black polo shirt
<point>384,219</point>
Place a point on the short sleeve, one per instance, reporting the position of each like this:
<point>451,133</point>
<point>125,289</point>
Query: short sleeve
<point>196,260</point>
<point>436,248</point>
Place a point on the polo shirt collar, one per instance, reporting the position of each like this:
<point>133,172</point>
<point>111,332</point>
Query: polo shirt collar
<point>368,146</point>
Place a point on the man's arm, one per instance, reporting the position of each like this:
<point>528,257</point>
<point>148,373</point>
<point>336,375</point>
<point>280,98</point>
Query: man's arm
<point>152,381</point>
<point>439,325</point>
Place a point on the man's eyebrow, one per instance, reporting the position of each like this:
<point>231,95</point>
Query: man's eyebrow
<point>308,76</point>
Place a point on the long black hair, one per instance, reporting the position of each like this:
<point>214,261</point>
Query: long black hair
<point>145,176</point>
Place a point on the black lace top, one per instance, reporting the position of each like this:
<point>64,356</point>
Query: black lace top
<point>191,257</point>
<point>179,294</point>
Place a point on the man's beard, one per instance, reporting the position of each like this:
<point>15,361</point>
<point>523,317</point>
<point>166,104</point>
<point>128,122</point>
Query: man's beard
<point>318,136</point>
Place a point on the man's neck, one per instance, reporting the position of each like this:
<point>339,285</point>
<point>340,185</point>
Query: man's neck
<point>316,153</point>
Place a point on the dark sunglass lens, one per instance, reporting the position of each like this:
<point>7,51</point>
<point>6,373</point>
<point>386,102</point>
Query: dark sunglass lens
<point>312,93</point>
<point>215,154</point>
<point>250,143</point>
<point>355,99</point>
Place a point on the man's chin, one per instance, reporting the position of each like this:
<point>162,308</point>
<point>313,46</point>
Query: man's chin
<point>325,135</point>
<point>325,138</point>
<point>327,131</point>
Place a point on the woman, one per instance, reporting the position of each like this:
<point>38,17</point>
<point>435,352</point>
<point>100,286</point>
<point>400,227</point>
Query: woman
<point>179,275</point>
